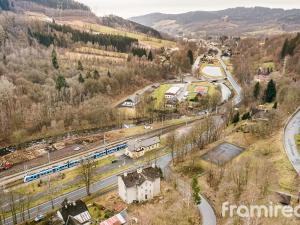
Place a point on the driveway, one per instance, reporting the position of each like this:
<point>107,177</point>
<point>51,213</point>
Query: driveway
<point>291,129</point>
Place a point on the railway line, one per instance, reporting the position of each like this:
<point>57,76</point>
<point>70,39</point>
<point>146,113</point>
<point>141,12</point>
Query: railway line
<point>17,178</point>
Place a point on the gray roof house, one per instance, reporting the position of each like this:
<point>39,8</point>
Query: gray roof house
<point>131,101</point>
<point>74,213</point>
<point>139,185</point>
<point>137,148</point>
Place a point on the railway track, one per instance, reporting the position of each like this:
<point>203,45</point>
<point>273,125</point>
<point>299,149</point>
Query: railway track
<point>17,178</point>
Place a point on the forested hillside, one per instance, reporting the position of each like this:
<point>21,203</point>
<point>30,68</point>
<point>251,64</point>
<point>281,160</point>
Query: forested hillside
<point>63,4</point>
<point>281,54</point>
<point>55,79</point>
<point>118,22</point>
<point>117,42</point>
<point>252,20</point>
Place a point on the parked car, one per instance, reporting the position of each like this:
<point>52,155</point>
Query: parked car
<point>39,218</point>
<point>5,166</point>
<point>77,148</point>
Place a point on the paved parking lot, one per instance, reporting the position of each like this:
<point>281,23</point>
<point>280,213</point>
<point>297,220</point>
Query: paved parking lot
<point>223,153</point>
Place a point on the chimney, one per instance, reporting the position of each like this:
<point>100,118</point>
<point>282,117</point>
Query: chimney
<point>153,165</point>
<point>125,174</point>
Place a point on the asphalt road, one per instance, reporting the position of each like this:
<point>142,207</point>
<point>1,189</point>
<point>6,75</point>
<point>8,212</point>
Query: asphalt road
<point>291,129</point>
<point>238,90</point>
<point>226,93</point>
<point>207,212</point>
<point>196,64</point>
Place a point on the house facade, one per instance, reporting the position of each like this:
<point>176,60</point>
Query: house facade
<point>131,101</point>
<point>140,185</point>
<point>173,92</point>
<point>138,148</point>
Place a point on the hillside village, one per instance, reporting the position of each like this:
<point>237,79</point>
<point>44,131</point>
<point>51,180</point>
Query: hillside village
<point>107,121</point>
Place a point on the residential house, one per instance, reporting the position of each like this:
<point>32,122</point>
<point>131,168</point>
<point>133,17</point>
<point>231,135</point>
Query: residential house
<point>173,92</point>
<point>119,219</point>
<point>74,213</point>
<point>131,101</point>
<point>140,185</point>
<point>138,148</point>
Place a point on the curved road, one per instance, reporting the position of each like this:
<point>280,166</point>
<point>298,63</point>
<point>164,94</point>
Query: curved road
<point>238,90</point>
<point>290,130</point>
<point>207,212</point>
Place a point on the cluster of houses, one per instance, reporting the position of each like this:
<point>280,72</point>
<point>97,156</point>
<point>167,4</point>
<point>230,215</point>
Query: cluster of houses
<point>139,185</point>
<point>210,59</point>
<point>136,186</point>
<point>263,74</point>
<point>134,99</point>
<point>172,96</point>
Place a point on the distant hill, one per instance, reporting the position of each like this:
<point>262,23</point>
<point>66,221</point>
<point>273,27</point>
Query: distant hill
<point>62,4</point>
<point>120,23</point>
<point>73,10</point>
<point>231,21</point>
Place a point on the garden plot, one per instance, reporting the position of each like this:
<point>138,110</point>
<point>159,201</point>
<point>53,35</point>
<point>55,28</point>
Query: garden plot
<point>223,153</point>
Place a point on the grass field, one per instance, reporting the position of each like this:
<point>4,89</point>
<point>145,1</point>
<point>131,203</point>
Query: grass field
<point>100,52</point>
<point>159,94</point>
<point>143,38</point>
<point>297,140</point>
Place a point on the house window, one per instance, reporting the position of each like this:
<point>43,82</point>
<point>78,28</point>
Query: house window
<point>146,197</point>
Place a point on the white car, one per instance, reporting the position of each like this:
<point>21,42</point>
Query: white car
<point>77,148</point>
<point>39,218</point>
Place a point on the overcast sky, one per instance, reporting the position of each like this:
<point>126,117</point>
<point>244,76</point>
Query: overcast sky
<point>128,8</point>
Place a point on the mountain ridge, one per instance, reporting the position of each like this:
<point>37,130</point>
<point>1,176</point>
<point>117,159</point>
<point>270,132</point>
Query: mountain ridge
<point>74,9</point>
<point>234,19</point>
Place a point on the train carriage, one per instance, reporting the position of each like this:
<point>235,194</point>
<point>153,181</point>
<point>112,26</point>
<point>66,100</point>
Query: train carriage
<point>73,163</point>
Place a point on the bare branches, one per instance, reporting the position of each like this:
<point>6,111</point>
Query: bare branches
<point>87,170</point>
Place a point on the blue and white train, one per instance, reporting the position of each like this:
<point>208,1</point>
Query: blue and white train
<point>73,163</point>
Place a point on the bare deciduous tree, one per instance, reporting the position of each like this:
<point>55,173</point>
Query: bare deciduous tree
<point>87,170</point>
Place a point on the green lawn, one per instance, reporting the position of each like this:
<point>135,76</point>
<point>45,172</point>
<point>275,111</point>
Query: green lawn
<point>269,65</point>
<point>159,94</point>
<point>143,38</point>
<point>297,140</point>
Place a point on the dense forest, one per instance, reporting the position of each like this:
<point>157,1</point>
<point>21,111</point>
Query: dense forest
<point>120,43</point>
<point>290,46</point>
<point>64,4</point>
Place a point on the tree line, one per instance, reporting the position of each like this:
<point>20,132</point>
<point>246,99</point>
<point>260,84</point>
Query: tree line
<point>121,43</point>
<point>65,4</point>
<point>289,46</point>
